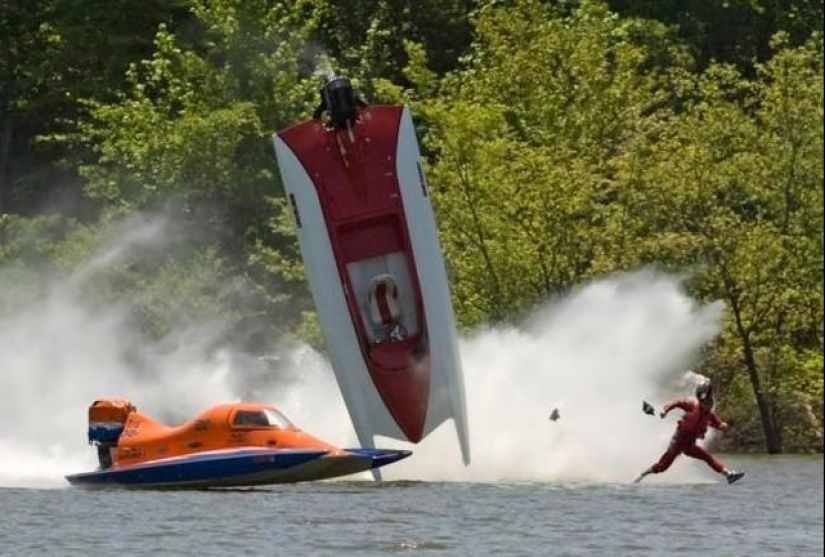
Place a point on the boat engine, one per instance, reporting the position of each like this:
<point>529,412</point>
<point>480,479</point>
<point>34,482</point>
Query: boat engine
<point>107,417</point>
<point>339,99</point>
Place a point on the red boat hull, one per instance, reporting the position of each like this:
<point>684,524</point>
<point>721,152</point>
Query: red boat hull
<point>370,247</point>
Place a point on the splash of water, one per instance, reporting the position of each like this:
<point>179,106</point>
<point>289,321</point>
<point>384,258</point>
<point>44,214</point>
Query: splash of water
<point>594,355</point>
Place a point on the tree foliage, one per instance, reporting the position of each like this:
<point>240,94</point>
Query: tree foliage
<point>734,185</point>
<point>563,140</point>
<point>189,134</point>
<point>524,140</point>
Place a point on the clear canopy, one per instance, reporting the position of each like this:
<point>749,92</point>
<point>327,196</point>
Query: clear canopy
<point>266,417</point>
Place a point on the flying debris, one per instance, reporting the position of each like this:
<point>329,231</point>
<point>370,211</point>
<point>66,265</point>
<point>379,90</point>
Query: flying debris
<point>354,181</point>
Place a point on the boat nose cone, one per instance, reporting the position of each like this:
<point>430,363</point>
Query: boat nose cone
<point>381,457</point>
<point>411,422</point>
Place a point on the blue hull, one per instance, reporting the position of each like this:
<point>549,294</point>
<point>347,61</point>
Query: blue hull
<point>380,457</point>
<point>227,468</point>
<point>239,468</point>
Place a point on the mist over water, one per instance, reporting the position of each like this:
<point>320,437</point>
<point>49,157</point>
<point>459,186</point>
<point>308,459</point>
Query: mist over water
<point>594,354</point>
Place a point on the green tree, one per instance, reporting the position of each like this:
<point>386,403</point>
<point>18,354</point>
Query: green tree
<point>523,140</point>
<point>734,185</point>
<point>190,134</point>
<point>53,53</point>
<point>730,31</point>
<point>27,43</point>
<point>368,36</point>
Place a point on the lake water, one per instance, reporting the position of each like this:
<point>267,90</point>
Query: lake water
<point>776,510</point>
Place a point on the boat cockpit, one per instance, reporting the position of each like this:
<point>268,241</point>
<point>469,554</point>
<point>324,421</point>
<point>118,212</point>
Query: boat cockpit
<point>265,417</point>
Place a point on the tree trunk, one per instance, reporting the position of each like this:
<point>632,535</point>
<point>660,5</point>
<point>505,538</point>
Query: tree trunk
<point>6,128</point>
<point>773,434</point>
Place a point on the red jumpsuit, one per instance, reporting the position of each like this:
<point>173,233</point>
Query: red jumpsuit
<point>692,426</point>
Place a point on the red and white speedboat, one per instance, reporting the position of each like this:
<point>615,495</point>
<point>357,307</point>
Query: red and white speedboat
<point>353,177</point>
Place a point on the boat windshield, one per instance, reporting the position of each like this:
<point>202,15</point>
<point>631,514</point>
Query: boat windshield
<point>266,417</point>
<point>277,419</point>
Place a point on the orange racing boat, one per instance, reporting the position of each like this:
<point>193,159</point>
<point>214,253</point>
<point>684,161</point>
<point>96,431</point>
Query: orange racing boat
<point>227,445</point>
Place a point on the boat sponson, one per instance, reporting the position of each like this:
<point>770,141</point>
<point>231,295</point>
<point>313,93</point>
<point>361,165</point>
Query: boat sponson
<point>221,468</point>
<point>346,463</point>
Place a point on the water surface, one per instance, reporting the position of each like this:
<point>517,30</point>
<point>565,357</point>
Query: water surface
<point>776,510</point>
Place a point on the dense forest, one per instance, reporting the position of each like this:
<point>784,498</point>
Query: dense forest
<point>564,140</point>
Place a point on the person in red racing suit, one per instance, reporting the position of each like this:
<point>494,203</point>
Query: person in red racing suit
<point>692,426</point>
